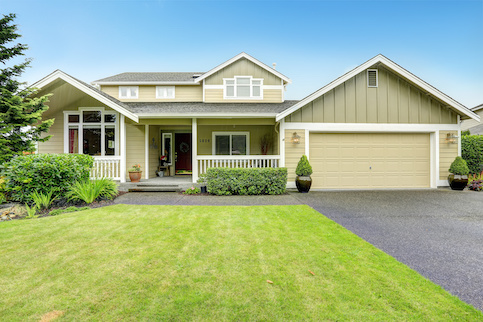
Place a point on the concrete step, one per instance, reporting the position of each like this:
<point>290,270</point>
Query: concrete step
<point>155,188</point>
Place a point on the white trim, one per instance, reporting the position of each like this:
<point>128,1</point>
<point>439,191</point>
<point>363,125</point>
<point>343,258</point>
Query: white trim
<point>436,161</point>
<point>235,86</point>
<point>230,133</point>
<point>146,151</point>
<point>396,68</point>
<point>213,86</point>
<point>206,115</point>
<point>58,74</point>
<point>307,143</point>
<point>377,78</point>
<point>371,127</point>
<point>280,87</point>
<point>433,158</point>
<point>194,150</point>
<point>250,58</point>
<point>122,151</point>
<point>166,92</point>
<point>163,147</point>
<point>147,83</point>
<point>281,131</point>
<point>128,92</point>
<point>204,88</point>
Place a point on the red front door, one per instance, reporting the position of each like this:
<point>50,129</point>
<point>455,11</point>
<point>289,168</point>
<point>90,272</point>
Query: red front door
<point>182,150</point>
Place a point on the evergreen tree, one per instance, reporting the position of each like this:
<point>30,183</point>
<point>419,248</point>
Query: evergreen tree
<point>20,111</point>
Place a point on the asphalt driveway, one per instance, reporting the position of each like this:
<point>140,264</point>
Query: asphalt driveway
<point>438,233</point>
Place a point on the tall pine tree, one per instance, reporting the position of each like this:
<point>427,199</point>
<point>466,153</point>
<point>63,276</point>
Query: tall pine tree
<point>21,122</point>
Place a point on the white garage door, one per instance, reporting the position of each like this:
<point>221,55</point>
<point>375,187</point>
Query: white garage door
<point>370,160</point>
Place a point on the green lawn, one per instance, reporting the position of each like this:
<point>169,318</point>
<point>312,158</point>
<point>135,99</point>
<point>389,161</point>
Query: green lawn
<point>207,263</point>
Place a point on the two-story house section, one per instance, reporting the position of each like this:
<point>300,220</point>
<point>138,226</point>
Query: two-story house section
<point>378,126</point>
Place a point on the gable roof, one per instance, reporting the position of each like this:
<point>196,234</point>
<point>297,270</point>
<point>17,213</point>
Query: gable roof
<point>150,78</point>
<point>396,68</point>
<point>89,90</point>
<point>250,58</point>
<point>477,108</point>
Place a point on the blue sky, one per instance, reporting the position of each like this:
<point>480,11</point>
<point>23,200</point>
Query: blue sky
<point>312,42</point>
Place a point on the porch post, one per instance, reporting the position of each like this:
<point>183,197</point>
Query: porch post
<point>194,149</point>
<point>122,147</point>
<point>146,151</point>
<point>281,150</point>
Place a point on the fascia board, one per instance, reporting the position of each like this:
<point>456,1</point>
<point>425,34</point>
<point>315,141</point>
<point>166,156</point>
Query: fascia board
<point>396,68</point>
<point>146,83</point>
<point>60,74</point>
<point>250,58</point>
<point>206,115</point>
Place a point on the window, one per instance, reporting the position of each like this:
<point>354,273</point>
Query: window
<point>243,87</point>
<point>164,91</point>
<point>167,147</point>
<point>128,91</point>
<point>372,78</point>
<point>91,132</point>
<point>231,143</point>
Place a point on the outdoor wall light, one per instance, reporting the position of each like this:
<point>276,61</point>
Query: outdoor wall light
<point>451,138</point>
<point>295,138</point>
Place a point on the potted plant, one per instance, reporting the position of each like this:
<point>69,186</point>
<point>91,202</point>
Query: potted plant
<point>135,173</point>
<point>458,178</point>
<point>303,181</point>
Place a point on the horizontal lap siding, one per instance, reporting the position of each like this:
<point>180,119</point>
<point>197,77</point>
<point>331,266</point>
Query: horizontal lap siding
<point>447,153</point>
<point>293,152</point>
<point>393,101</point>
<point>368,160</point>
<point>56,143</point>
<point>147,93</point>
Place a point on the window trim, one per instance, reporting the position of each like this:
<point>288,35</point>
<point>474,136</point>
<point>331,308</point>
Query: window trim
<point>214,134</point>
<point>163,147</point>
<point>128,96</point>
<point>167,97</point>
<point>377,78</point>
<point>80,126</point>
<point>235,97</point>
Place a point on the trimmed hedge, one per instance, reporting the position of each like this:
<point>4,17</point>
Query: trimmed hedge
<point>240,181</point>
<point>43,173</point>
<point>472,152</point>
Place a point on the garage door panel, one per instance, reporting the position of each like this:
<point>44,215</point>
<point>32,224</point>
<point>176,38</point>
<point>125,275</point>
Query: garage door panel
<point>370,160</point>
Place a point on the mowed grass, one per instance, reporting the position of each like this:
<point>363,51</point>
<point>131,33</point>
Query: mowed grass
<point>207,263</point>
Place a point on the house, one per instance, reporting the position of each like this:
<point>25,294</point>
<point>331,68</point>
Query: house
<point>377,126</point>
<point>475,127</point>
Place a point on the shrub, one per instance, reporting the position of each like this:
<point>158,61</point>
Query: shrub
<point>92,190</point>
<point>459,167</point>
<point>192,191</point>
<point>41,200</point>
<point>303,167</point>
<point>472,152</point>
<point>44,173</point>
<point>240,181</point>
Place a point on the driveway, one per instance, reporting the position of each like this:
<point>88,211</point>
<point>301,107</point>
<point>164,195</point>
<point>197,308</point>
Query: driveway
<point>438,233</point>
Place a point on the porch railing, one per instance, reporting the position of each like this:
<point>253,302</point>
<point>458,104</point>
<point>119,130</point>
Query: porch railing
<point>107,167</point>
<point>237,161</point>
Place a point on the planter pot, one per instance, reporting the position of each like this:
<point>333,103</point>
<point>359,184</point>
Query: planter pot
<point>303,183</point>
<point>203,189</point>
<point>135,176</point>
<point>457,182</point>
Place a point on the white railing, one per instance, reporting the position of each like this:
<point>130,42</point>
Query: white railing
<point>236,161</point>
<point>107,167</point>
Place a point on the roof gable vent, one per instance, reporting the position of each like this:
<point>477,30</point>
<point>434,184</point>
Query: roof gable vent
<point>372,78</point>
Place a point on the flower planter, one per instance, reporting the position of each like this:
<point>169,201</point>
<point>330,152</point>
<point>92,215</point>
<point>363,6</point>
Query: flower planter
<point>135,176</point>
<point>303,183</point>
<point>457,182</point>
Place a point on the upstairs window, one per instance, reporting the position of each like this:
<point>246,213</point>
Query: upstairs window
<point>164,91</point>
<point>243,87</point>
<point>128,91</point>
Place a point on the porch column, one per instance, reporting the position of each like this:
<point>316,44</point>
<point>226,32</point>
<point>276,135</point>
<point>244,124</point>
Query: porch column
<point>122,147</point>
<point>194,149</point>
<point>281,150</point>
<point>146,151</point>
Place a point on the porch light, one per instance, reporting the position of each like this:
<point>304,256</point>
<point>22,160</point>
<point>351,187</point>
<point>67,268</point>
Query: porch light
<point>295,138</point>
<point>451,138</point>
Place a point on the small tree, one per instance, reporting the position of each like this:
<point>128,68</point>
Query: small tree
<point>303,167</point>
<point>20,112</point>
<point>459,167</point>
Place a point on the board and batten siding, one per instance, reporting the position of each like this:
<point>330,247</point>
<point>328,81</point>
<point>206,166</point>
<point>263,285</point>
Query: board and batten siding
<point>269,96</point>
<point>135,143</point>
<point>147,93</point>
<point>447,153</point>
<point>293,152</point>
<point>243,67</point>
<point>393,101</point>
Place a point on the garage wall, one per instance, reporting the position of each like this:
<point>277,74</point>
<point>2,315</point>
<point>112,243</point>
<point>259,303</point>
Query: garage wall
<point>447,153</point>
<point>293,152</point>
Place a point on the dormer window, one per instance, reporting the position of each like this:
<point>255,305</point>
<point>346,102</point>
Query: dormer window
<point>164,91</point>
<point>128,92</point>
<point>242,87</point>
